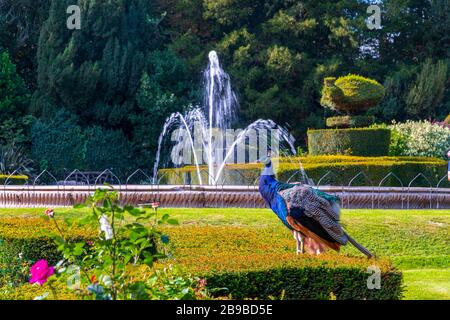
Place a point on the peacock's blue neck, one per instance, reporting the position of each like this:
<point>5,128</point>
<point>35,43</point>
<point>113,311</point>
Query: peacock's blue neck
<point>268,188</point>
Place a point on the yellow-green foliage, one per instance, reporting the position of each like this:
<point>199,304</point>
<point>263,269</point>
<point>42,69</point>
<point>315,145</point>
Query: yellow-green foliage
<point>251,262</point>
<point>30,235</point>
<point>15,179</point>
<point>350,121</point>
<point>342,168</point>
<point>447,120</point>
<point>351,93</point>
<point>260,262</point>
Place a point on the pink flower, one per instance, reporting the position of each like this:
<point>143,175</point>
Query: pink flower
<point>155,205</point>
<point>50,213</point>
<point>202,283</point>
<point>40,272</point>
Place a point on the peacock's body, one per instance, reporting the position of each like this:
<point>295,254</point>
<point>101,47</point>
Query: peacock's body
<point>312,215</point>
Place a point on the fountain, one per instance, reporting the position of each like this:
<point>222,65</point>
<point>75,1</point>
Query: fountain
<point>205,128</point>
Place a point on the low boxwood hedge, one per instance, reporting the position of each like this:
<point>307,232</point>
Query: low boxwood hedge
<point>369,142</point>
<point>260,263</point>
<point>14,180</point>
<point>339,170</point>
<point>244,262</point>
<point>31,237</point>
<point>318,283</point>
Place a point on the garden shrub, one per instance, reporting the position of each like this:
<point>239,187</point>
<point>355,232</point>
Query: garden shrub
<point>420,139</point>
<point>351,93</point>
<point>13,180</point>
<point>341,168</point>
<point>14,160</point>
<point>317,283</point>
<point>243,264</point>
<point>350,122</point>
<point>261,264</point>
<point>107,149</point>
<point>358,142</point>
<point>30,237</point>
<point>57,144</point>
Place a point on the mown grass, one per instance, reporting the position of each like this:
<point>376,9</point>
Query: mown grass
<point>417,241</point>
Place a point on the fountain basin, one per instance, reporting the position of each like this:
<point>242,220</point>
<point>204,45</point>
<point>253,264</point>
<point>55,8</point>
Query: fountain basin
<point>221,196</point>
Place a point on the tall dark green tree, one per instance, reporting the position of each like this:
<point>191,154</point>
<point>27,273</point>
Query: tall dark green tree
<point>20,25</point>
<point>13,103</point>
<point>96,72</point>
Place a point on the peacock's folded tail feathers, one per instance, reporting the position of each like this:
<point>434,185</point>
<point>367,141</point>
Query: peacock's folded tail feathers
<point>319,206</point>
<point>296,225</point>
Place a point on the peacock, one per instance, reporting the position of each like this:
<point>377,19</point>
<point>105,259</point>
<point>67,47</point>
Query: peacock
<point>311,215</point>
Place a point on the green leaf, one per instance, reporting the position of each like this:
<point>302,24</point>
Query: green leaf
<point>172,221</point>
<point>59,240</point>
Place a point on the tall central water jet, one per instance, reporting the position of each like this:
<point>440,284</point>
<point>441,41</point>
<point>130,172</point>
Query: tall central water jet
<point>221,105</point>
<point>219,113</point>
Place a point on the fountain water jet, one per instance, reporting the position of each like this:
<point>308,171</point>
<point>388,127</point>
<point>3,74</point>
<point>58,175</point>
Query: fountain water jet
<point>220,107</point>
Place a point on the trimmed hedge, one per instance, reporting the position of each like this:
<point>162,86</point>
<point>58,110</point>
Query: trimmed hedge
<point>350,121</point>
<point>340,169</point>
<point>14,180</point>
<point>307,283</point>
<point>262,264</point>
<point>27,239</point>
<point>249,263</point>
<point>358,142</point>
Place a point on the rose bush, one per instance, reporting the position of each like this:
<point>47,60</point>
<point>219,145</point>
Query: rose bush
<point>129,242</point>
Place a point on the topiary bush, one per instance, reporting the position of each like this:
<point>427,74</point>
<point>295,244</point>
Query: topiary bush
<point>350,122</point>
<point>351,94</point>
<point>358,142</point>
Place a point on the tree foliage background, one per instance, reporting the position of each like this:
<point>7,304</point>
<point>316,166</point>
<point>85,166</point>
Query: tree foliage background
<point>97,97</point>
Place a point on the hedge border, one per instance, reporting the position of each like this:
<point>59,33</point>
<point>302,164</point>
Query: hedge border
<point>352,141</point>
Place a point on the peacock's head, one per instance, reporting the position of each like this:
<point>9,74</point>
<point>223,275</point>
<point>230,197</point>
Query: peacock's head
<point>267,161</point>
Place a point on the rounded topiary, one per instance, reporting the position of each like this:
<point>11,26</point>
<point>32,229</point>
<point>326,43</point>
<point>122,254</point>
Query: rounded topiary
<point>351,94</point>
<point>350,121</point>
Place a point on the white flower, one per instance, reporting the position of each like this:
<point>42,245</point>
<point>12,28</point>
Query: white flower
<point>423,138</point>
<point>105,226</point>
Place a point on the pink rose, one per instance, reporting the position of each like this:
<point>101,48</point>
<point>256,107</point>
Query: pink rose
<point>50,213</point>
<point>40,272</point>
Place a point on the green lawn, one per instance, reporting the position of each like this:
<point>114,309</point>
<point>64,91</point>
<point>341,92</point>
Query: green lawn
<point>417,241</point>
